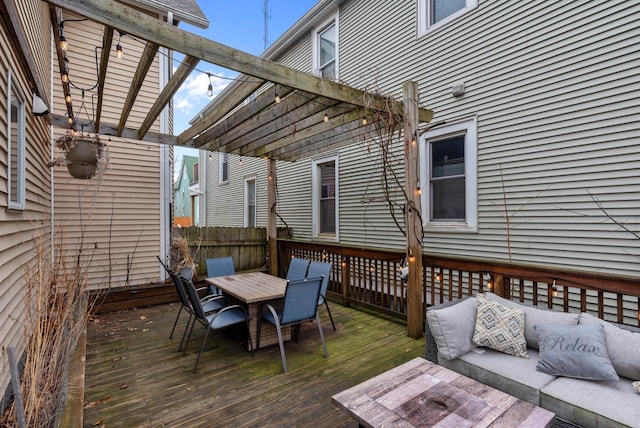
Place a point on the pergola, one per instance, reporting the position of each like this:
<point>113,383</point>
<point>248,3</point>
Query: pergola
<point>287,130</point>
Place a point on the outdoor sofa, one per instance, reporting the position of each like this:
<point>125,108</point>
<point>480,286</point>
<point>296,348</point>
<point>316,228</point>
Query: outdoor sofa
<point>574,348</point>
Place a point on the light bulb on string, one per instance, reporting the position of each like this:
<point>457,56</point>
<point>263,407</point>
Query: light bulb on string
<point>67,98</point>
<point>276,98</point>
<point>210,87</point>
<point>326,117</point>
<point>364,120</point>
<point>554,288</point>
<point>119,51</point>
<point>64,75</point>
<point>63,43</point>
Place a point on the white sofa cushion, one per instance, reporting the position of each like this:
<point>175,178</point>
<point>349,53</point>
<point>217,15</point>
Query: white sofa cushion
<point>534,316</point>
<point>623,347</point>
<point>590,404</point>
<point>452,327</point>
<point>515,376</point>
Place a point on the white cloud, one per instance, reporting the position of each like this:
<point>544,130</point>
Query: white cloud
<point>192,96</point>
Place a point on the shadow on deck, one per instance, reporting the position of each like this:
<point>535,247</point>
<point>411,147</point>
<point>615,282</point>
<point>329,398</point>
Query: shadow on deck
<point>136,378</point>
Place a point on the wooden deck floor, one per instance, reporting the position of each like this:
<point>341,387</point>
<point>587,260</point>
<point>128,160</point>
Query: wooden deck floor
<point>135,377</point>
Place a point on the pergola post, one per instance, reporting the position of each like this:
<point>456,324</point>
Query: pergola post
<point>415,312</point>
<point>272,229</point>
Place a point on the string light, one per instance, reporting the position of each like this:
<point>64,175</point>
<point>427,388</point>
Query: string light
<point>364,120</point>
<point>326,117</point>
<point>109,142</point>
<point>65,75</point>
<point>488,278</point>
<point>119,46</point>
<point>67,98</point>
<point>210,155</point>
<point>63,43</point>
<point>70,120</point>
<point>438,276</point>
<point>411,257</point>
<point>554,288</point>
<point>210,87</point>
<point>276,98</point>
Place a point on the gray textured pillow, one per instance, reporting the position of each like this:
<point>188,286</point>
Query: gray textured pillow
<point>534,316</point>
<point>452,328</point>
<point>623,347</point>
<point>574,351</point>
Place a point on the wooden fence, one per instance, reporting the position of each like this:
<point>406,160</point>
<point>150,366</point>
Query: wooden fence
<point>247,246</point>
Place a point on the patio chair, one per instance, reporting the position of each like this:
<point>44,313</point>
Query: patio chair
<point>219,266</point>
<point>228,316</point>
<point>322,269</point>
<point>300,304</point>
<point>210,303</point>
<point>297,269</point>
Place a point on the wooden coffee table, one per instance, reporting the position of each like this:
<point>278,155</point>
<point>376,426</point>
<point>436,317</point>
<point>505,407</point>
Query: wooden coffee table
<point>422,394</point>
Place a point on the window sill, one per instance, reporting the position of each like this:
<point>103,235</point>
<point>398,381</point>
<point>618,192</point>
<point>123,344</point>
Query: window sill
<point>450,228</point>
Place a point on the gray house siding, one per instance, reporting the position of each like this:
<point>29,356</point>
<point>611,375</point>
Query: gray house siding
<point>554,89</point>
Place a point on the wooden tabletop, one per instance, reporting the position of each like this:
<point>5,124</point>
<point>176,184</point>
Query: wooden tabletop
<point>422,394</point>
<point>251,287</point>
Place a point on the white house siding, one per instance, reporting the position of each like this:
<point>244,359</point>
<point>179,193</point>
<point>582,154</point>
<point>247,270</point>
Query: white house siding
<point>19,229</point>
<point>554,88</point>
<point>122,216</point>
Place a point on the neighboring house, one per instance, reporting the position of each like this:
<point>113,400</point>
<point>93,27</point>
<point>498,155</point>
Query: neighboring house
<point>122,218</point>
<point>534,142</point>
<point>185,192</point>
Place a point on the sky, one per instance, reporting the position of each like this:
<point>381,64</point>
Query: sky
<point>240,25</point>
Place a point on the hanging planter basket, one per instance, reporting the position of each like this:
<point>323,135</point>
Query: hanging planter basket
<point>82,154</point>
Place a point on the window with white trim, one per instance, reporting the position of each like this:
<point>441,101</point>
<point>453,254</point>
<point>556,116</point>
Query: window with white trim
<point>223,167</point>
<point>16,152</point>
<point>433,14</point>
<point>325,197</point>
<point>448,177</point>
<point>325,49</point>
<point>250,201</point>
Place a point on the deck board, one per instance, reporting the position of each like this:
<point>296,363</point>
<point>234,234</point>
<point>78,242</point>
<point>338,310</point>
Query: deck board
<point>131,360</point>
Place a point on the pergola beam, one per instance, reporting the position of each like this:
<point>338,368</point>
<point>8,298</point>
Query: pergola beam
<point>127,133</point>
<point>107,41</point>
<point>111,13</point>
<point>178,78</point>
<point>146,60</point>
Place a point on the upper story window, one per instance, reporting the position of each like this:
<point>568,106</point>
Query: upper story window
<point>325,197</point>
<point>433,14</point>
<point>16,152</point>
<point>325,49</point>
<point>449,177</point>
<point>196,173</point>
<point>223,159</point>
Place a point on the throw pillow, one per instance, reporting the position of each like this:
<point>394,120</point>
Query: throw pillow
<point>452,328</point>
<point>501,328</point>
<point>534,315</point>
<point>623,346</point>
<point>574,351</point>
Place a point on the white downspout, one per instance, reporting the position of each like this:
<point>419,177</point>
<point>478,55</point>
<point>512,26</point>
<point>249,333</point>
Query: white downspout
<point>165,162</point>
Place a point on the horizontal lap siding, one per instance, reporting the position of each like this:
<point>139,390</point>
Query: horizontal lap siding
<point>19,229</point>
<point>554,87</point>
<point>121,210</point>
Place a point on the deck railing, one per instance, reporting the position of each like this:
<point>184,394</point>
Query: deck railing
<point>371,278</point>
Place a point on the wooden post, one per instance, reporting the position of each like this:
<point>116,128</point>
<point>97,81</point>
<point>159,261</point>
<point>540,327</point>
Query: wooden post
<point>415,311</point>
<point>272,229</point>
<point>498,285</point>
<point>346,279</point>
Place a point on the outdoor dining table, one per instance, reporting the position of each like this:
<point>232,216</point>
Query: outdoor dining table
<point>255,289</point>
